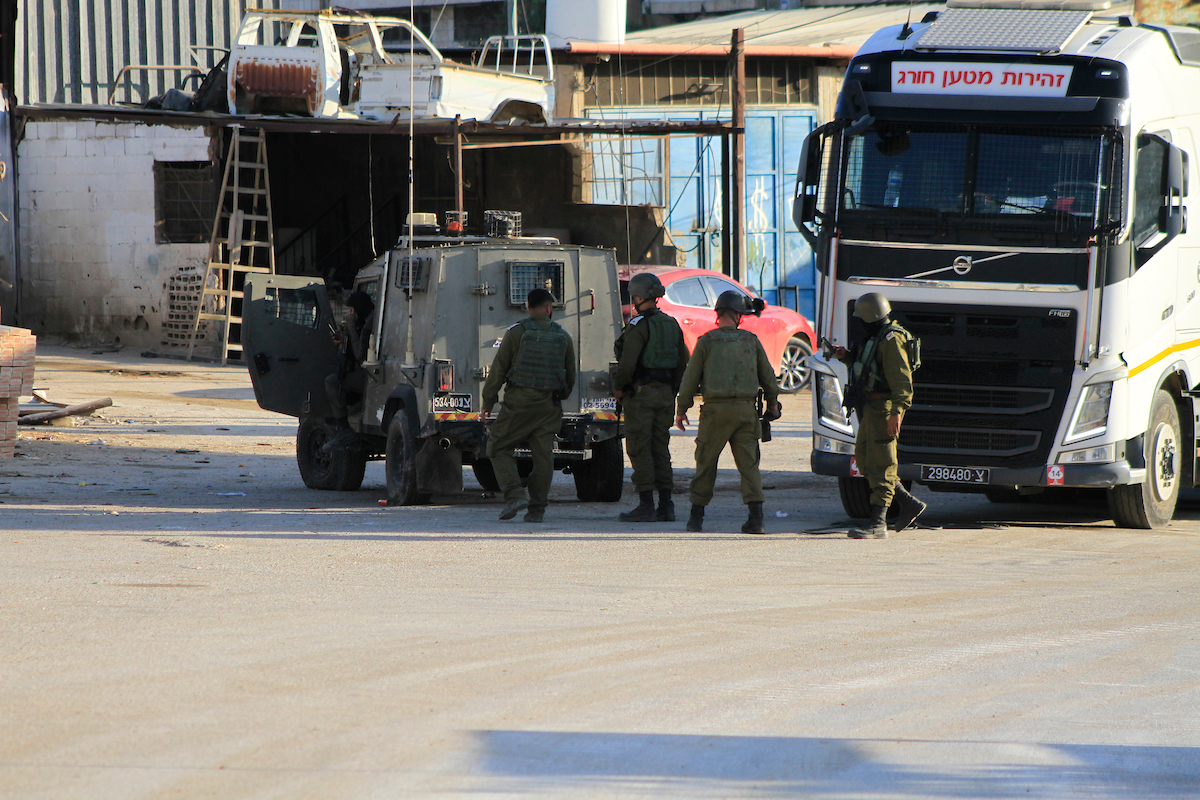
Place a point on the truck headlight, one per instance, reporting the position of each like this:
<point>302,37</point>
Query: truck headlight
<point>1105,454</point>
<point>1091,413</point>
<point>829,402</point>
<point>823,444</point>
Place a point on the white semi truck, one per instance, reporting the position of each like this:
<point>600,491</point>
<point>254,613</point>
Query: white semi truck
<point>1016,181</point>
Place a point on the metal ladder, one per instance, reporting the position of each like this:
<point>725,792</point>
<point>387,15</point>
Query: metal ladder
<point>243,240</point>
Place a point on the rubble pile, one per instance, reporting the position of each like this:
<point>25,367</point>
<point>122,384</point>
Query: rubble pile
<point>17,346</point>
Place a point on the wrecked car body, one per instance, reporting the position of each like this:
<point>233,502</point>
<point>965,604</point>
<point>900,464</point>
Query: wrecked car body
<point>344,65</point>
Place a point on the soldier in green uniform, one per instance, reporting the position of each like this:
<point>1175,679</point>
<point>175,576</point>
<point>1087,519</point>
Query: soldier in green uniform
<point>728,369</point>
<point>651,357</point>
<point>536,367</point>
<point>881,390</point>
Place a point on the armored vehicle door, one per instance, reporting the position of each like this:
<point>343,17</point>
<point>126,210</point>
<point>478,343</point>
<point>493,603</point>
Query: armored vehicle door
<point>286,333</point>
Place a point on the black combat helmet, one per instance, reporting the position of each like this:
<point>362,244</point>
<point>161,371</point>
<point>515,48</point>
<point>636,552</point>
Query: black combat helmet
<point>739,303</point>
<point>646,285</point>
<point>872,307</point>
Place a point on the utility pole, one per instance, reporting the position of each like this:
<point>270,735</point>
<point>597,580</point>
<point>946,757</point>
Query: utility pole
<point>737,187</point>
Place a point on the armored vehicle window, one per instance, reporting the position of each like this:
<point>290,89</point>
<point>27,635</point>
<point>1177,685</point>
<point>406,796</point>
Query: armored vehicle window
<point>525,276</point>
<point>298,306</point>
<point>370,289</point>
<point>1148,191</point>
<point>688,292</point>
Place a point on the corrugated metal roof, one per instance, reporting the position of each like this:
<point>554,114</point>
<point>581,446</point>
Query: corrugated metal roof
<point>819,26</point>
<point>71,52</point>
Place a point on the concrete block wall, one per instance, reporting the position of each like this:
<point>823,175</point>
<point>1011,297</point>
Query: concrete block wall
<point>17,347</point>
<point>91,269</point>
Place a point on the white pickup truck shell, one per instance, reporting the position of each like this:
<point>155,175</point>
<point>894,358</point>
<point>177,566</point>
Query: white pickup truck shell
<point>334,64</point>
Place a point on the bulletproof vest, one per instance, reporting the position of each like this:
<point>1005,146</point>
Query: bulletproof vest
<point>866,367</point>
<point>662,348</point>
<point>731,369</point>
<point>539,362</point>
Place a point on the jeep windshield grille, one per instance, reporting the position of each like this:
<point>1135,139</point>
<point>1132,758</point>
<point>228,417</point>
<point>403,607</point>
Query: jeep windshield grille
<point>984,179</point>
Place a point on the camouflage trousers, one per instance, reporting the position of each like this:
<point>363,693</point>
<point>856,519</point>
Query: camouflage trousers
<point>649,414</point>
<point>732,422</point>
<point>536,422</point>
<point>875,452</point>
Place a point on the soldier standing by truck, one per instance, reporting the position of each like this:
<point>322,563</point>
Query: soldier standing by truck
<point>536,367</point>
<point>880,390</point>
<point>651,358</point>
<point>351,339</point>
<point>728,369</point>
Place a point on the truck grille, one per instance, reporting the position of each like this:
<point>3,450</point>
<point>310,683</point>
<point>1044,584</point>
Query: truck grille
<point>967,441</point>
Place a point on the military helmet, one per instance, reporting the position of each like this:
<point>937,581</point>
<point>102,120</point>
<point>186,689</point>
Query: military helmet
<point>872,307</point>
<point>646,285</point>
<point>739,303</point>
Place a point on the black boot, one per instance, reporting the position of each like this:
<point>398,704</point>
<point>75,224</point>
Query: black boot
<point>754,522</point>
<point>666,508</point>
<point>644,511</point>
<point>876,528</point>
<point>909,507</point>
<point>696,520</point>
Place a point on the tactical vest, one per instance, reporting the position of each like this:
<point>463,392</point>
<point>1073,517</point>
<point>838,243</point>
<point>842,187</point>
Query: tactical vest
<point>731,369</point>
<point>866,367</point>
<point>662,347</point>
<point>540,361</point>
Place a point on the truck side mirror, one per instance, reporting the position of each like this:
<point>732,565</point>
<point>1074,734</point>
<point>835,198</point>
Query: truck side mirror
<point>808,181</point>
<point>1172,217</point>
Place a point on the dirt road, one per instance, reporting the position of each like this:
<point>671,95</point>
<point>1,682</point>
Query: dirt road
<point>180,617</point>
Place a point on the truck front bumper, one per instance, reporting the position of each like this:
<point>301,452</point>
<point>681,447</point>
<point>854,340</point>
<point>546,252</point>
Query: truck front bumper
<point>1084,476</point>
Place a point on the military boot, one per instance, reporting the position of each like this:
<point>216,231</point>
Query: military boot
<point>666,508</point>
<point>644,511</point>
<point>510,510</point>
<point>535,514</point>
<point>909,507</point>
<point>754,522</point>
<point>343,437</point>
<point>876,528</point>
<point>695,522</point>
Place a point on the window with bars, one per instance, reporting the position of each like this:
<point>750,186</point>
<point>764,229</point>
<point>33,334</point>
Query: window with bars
<point>1062,181</point>
<point>525,276</point>
<point>185,201</point>
<point>627,171</point>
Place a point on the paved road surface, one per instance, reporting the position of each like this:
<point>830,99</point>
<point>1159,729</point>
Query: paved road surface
<point>198,624</point>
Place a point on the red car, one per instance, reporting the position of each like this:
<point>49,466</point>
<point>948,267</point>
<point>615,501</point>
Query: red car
<point>691,293</point>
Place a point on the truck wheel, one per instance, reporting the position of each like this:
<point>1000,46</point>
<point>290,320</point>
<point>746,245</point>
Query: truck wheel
<point>339,471</point>
<point>856,497</point>
<point>794,374</point>
<point>1151,504</point>
<point>485,475</point>
<point>601,478</point>
<point>400,463</point>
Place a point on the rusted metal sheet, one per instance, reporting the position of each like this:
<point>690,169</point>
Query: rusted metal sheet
<point>281,79</point>
<point>70,52</point>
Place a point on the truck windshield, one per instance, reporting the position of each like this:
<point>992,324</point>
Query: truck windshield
<point>972,177</point>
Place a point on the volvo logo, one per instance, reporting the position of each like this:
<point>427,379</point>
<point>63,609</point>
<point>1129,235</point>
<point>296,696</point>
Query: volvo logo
<point>962,265</point>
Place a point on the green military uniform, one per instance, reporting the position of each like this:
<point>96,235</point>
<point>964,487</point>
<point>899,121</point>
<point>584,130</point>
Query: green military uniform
<point>535,362</point>
<point>889,390</point>
<point>728,368</point>
<point>651,357</point>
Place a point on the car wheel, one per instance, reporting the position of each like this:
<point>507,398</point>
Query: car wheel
<point>794,374</point>
<point>339,471</point>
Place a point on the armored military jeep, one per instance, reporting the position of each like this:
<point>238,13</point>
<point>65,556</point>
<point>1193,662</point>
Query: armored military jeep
<point>441,309</point>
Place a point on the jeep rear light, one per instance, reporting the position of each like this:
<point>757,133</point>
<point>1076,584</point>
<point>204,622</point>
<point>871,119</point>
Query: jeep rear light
<point>445,377</point>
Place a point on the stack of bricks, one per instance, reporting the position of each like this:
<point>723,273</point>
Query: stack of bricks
<point>17,347</point>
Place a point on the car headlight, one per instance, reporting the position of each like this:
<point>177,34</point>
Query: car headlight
<point>1091,413</point>
<point>829,403</point>
<point>1105,454</point>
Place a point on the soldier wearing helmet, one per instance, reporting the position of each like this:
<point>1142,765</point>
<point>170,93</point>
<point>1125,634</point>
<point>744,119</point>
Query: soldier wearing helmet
<point>881,391</point>
<point>728,369</point>
<point>651,357</point>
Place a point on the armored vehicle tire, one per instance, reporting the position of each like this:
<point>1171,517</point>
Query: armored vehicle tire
<point>601,478</point>
<point>400,463</point>
<point>794,374</point>
<point>1151,504</point>
<point>486,475</point>
<point>339,471</point>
